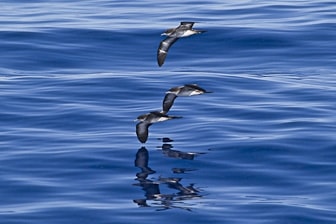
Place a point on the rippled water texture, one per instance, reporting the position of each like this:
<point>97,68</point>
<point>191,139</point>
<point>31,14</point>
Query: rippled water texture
<point>259,149</point>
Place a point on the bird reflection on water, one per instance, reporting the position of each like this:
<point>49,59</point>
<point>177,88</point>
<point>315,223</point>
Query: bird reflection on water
<point>169,152</point>
<point>153,186</point>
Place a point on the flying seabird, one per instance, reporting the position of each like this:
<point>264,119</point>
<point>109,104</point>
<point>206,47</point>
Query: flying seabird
<point>183,30</point>
<point>186,90</point>
<point>147,120</point>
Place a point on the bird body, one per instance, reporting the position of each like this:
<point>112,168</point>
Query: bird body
<point>187,90</point>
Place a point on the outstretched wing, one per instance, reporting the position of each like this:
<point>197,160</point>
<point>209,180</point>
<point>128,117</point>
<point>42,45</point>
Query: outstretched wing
<point>186,25</point>
<point>195,86</point>
<point>142,131</point>
<point>168,102</point>
<point>163,49</point>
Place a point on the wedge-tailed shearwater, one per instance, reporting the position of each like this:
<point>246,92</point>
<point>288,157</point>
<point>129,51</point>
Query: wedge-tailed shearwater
<point>147,120</point>
<point>183,30</point>
<point>186,90</point>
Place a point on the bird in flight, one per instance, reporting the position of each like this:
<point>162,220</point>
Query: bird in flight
<point>183,30</point>
<point>147,120</point>
<point>186,90</point>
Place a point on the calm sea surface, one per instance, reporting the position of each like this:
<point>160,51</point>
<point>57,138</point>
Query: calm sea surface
<point>261,148</point>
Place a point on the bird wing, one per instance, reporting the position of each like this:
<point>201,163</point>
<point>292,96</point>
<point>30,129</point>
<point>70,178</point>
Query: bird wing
<point>163,49</point>
<point>142,131</point>
<point>168,102</point>
<point>186,25</point>
<point>195,86</point>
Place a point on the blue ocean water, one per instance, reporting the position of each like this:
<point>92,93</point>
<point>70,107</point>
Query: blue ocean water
<point>259,149</point>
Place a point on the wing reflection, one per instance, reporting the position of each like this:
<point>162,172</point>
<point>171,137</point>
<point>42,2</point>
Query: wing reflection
<point>151,185</point>
<point>151,188</point>
<point>169,152</point>
<point>182,170</point>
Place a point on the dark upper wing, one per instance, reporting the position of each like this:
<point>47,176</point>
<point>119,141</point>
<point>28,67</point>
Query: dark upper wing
<point>168,102</point>
<point>186,25</point>
<point>163,49</point>
<point>142,131</point>
<point>194,86</point>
